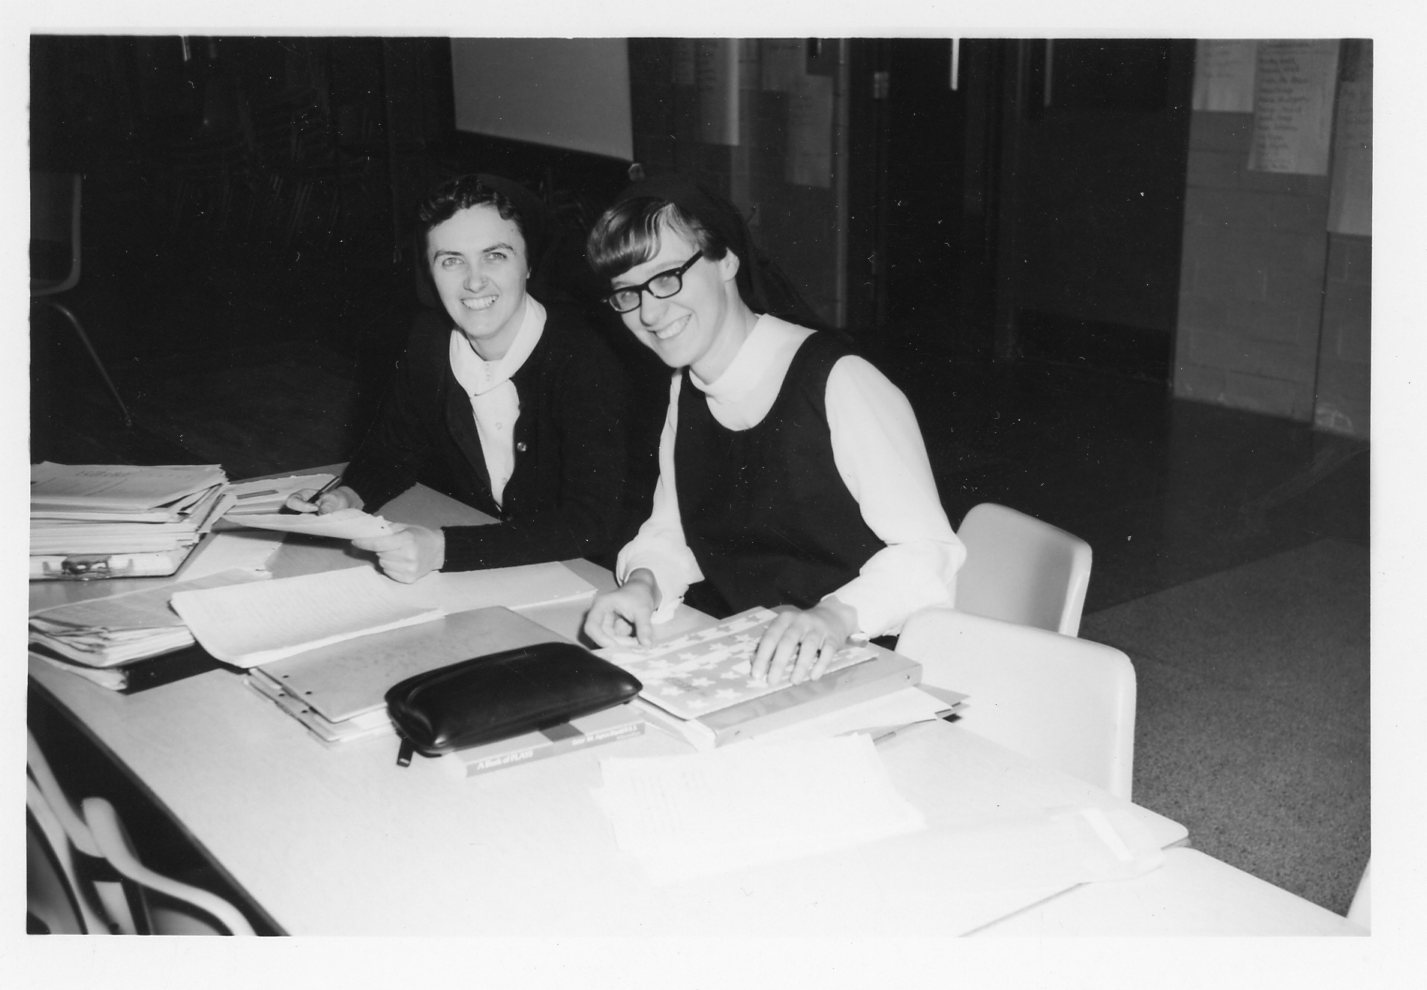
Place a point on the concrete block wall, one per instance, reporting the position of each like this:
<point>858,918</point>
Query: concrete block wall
<point>1273,311</point>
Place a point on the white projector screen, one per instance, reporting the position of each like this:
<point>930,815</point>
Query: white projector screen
<point>567,92</point>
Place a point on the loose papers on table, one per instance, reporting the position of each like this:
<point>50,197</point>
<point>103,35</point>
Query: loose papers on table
<point>752,803</point>
<point>343,524</point>
<point>257,623</point>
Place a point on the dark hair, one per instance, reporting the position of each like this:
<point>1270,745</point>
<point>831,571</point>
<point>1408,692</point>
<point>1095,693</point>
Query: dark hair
<point>512,201</point>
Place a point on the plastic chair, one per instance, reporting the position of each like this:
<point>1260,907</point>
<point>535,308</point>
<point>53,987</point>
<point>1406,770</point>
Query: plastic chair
<point>98,895</point>
<point>111,889</point>
<point>1019,569</point>
<point>55,199</point>
<point>51,903</point>
<point>1064,701</point>
<point>166,906</point>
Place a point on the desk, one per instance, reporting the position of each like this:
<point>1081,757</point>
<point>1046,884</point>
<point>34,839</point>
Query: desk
<point>1191,894</point>
<point>339,840</point>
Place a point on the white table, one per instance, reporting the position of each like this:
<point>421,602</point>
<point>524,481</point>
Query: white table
<point>340,840</point>
<point>1191,894</point>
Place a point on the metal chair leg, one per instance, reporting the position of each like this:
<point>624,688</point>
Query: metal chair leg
<point>98,362</point>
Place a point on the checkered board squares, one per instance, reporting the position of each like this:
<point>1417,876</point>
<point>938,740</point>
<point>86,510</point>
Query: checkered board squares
<point>708,670</point>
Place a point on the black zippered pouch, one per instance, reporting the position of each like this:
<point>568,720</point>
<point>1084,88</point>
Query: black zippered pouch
<point>505,694</point>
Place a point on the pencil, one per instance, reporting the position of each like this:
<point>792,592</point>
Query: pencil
<point>316,496</point>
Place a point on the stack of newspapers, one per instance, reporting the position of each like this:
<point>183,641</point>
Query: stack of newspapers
<point>119,520</point>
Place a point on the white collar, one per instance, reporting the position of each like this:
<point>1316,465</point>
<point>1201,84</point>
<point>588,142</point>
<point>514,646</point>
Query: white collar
<point>476,374</point>
<point>748,366</point>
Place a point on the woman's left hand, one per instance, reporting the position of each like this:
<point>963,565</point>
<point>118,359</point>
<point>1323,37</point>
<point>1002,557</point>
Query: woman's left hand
<point>799,644</point>
<point>408,552</point>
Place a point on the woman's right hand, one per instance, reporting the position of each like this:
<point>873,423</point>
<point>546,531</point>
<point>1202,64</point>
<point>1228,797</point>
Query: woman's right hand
<point>340,497</point>
<point>625,616</point>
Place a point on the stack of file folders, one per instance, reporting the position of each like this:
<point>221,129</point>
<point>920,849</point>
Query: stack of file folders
<point>127,640</point>
<point>117,520</point>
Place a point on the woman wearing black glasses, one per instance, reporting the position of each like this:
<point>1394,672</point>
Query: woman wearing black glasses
<point>792,472</point>
<point>511,406</point>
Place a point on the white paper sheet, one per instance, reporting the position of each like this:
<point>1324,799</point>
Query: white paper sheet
<point>1052,847</point>
<point>231,550</point>
<point>344,524</point>
<point>751,803</point>
<point>252,624</point>
<point>513,587</point>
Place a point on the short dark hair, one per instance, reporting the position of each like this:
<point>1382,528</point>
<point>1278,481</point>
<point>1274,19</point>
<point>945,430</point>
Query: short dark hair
<point>461,193</point>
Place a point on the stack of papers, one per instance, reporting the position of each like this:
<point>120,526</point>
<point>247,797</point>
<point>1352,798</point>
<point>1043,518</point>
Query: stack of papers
<point>150,515</point>
<point>112,634</point>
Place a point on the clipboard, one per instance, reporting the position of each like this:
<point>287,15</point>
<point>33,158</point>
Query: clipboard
<point>102,566</point>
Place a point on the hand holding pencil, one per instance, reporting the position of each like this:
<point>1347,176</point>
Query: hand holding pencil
<point>329,498</point>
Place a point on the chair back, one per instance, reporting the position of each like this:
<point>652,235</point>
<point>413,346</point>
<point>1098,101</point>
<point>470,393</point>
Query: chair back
<point>1064,701</point>
<point>169,907</point>
<point>99,896</point>
<point>52,903</point>
<point>1019,569</point>
<point>111,889</point>
<point>54,232</point>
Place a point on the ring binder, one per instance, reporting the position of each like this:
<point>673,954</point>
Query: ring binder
<point>102,566</point>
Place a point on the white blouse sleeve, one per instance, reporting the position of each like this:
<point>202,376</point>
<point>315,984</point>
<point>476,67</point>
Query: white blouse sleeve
<point>660,545</point>
<point>879,452</point>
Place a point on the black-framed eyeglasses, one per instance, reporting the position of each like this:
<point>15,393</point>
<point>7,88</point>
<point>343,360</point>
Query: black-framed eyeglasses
<point>661,286</point>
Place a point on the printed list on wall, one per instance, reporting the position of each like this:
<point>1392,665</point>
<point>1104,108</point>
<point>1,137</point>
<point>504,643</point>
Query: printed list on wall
<point>1224,76</point>
<point>1294,84</point>
<point>1350,192</point>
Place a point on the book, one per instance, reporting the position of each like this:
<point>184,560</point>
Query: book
<point>619,722</point>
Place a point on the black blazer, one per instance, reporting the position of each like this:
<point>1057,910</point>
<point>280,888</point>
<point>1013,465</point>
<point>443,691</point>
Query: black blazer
<point>567,495</point>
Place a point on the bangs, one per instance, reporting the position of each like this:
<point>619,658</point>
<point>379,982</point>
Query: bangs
<point>629,234</point>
